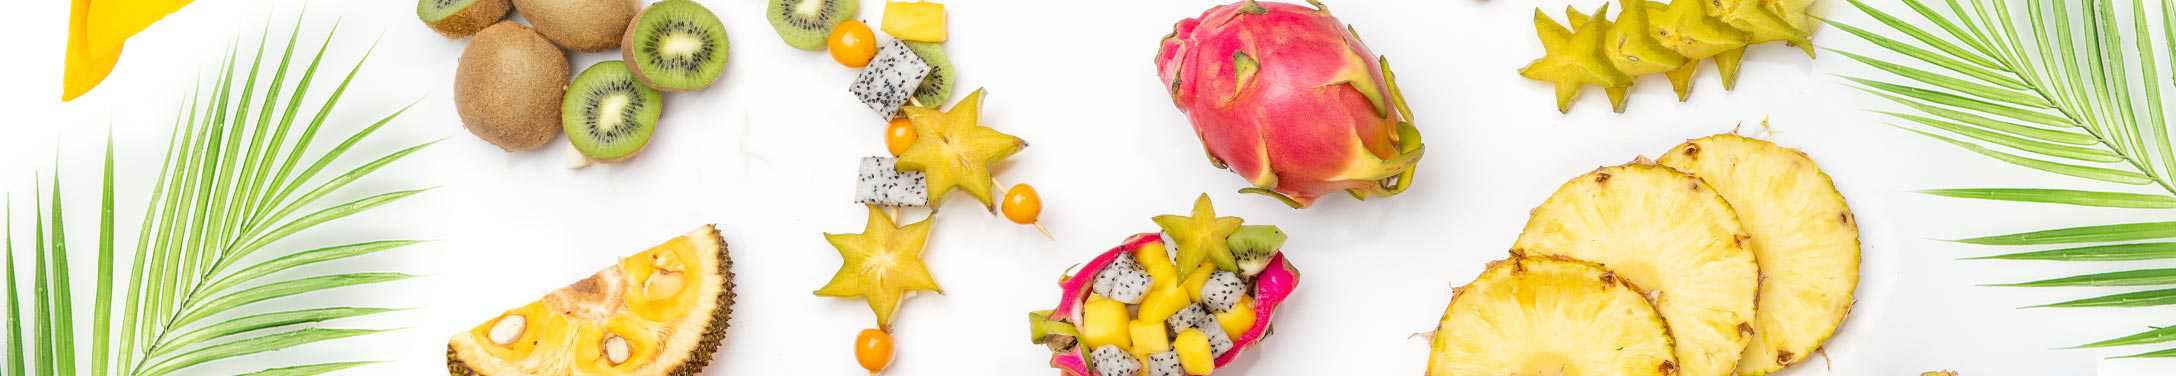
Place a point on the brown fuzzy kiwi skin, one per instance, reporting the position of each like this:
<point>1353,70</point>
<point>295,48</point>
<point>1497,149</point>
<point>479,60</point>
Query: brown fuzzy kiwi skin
<point>713,332</point>
<point>509,86</point>
<point>579,25</point>
<point>479,15</point>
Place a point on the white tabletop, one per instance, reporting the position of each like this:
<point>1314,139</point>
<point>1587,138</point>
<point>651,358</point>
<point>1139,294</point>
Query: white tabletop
<point>769,154</point>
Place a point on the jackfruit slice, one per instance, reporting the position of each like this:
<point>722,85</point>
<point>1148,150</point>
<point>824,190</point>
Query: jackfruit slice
<point>663,311</point>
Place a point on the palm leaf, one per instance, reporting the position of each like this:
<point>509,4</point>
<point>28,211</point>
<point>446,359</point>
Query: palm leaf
<point>210,244</point>
<point>2053,93</point>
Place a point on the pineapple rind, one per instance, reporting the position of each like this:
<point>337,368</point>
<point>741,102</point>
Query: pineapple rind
<point>1550,315</point>
<point>1804,238</point>
<point>1668,232</point>
<point>691,341</point>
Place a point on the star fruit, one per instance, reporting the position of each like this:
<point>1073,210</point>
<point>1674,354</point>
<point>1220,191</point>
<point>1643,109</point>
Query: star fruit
<point>883,264</point>
<point>1201,236</point>
<point>1685,27</point>
<point>1574,58</point>
<point>953,149</point>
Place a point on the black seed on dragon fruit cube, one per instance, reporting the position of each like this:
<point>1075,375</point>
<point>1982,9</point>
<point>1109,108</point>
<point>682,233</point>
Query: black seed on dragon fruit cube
<point>890,79</point>
<point>1191,317</point>
<point>1123,280</point>
<point>881,184</point>
<point>1110,361</point>
<point>1165,364</point>
<point>1219,341</point>
<point>1222,291</point>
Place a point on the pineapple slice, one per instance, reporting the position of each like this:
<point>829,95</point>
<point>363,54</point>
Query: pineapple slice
<point>1804,238</point>
<point>660,312</point>
<point>1667,232</point>
<point>1550,316</point>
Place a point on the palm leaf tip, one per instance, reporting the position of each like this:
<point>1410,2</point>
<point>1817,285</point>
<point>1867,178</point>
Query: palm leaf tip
<point>230,166</point>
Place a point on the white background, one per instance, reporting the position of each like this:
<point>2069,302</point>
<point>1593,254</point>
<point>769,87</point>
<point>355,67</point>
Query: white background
<point>769,154</point>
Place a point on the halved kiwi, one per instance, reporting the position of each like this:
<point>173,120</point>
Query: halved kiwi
<point>676,45</point>
<point>607,115</point>
<point>805,23</point>
<point>460,18</point>
<point>936,88</point>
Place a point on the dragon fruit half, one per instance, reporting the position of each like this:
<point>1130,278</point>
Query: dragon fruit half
<point>1288,97</point>
<point>1064,331</point>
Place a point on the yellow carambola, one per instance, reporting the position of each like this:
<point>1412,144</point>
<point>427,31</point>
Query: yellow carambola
<point>1652,37</point>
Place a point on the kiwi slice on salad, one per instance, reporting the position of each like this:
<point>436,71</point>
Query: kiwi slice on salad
<point>607,115</point>
<point>936,88</point>
<point>805,23</point>
<point>460,18</point>
<point>676,45</point>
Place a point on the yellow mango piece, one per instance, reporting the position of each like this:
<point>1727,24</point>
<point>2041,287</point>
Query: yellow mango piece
<point>1157,259</point>
<point>1193,282</point>
<point>1238,319</point>
<point>1162,301</point>
<point>1194,355</point>
<point>1104,322</point>
<point>1148,337</point>
<point>915,21</point>
<point>96,31</point>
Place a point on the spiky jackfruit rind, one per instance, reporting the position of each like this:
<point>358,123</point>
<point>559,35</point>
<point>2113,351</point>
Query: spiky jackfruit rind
<point>713,333</point>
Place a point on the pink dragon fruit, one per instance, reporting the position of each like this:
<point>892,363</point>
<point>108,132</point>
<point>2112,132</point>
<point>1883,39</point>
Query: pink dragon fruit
<point>1289,98</point>
<point>1059,327</point>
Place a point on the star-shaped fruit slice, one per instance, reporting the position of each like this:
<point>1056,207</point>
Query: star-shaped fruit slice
<point>1684,26</point>
<point>1201,236</point>
<point>955,150</point>
<point>883,264</point>
<point>1761,23</point>
<point>1574,58</point>
<point>1632,48</point>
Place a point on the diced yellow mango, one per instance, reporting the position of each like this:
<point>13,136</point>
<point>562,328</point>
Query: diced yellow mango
<point>1161,302</point>
<point>1103,322</point>
<point>1157,260</point>
<point>918,21</point>
<point>1194,355</point>
<point>1200,277</point>
<point>1148,337</point>
<point>1238,319</point>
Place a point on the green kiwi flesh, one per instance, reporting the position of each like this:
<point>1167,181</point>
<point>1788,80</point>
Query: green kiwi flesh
<point>460,18</point>
<point>936,88</point>
<point>676,45</point>
<point>607,115</point>
<point>805,23</point>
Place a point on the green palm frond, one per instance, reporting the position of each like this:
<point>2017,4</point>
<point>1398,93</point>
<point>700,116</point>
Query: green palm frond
<point>234,182</point>
<point>2055,86</point>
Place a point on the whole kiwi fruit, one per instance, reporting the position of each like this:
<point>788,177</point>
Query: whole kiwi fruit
<point>579,25</point>
<point>509,86</point>
<point>460,18</point>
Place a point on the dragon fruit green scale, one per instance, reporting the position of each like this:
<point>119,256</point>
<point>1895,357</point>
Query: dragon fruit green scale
<point>1288,97</point>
